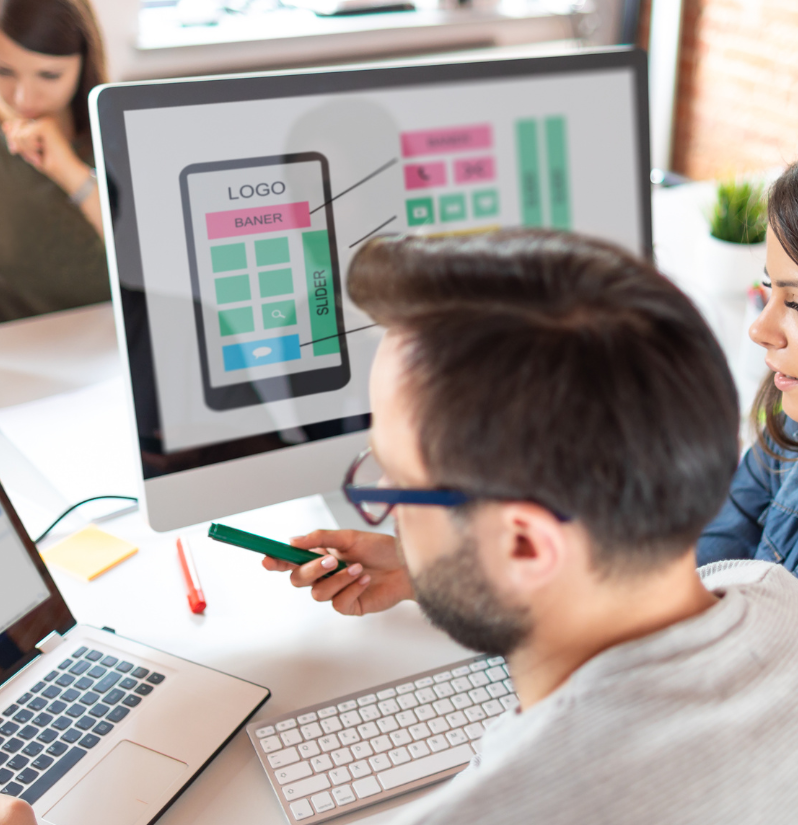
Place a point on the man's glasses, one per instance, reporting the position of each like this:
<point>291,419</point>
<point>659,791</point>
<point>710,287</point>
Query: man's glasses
<point>365,490</point>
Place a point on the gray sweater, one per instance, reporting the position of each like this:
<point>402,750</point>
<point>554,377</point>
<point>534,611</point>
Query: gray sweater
<point>697,723</point>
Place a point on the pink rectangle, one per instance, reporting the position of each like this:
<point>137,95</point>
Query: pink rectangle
<point>424,175</point>
<point>276,218</point>
<point>444,141</point>
<point>473,170</point>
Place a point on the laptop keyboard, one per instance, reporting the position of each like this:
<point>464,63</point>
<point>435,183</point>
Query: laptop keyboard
<point>338,757</point>
<point>49,729</point>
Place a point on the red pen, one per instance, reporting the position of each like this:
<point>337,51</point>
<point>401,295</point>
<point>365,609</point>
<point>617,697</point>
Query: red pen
<point>196,598</point>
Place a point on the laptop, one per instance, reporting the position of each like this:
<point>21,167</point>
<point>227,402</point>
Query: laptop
<point>96,728</point>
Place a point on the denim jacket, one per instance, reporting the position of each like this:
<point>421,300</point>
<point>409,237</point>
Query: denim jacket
<point>759,519</point>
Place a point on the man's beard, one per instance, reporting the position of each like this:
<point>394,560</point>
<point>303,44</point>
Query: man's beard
<point>455,595</point>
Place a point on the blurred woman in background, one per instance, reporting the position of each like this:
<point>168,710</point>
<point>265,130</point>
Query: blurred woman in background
<point>51,250</point>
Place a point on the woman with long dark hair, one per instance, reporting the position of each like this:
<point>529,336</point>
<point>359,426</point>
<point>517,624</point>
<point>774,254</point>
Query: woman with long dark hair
<point>760,517</point>
<point>51,250</point>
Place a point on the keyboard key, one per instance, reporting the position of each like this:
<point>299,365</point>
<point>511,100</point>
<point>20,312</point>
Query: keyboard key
<point>89,740</point>
<point>389,706</point>
<point>360,769</point>
<point>27,776</point>
<point>437,743</point>
<point>401,737</point>
<point>331,725</point>
<point>51,776</point>
<point>461,671</point>
<point>509,702</point>
<point>280,759</point>
<point>348,737</point>
<point>380,762</point>
<point>51,675</point>
<point>311,731</point>
<point>457,719</point>
<point>426,766</point>
<point>408,687</point>
<point>419,731</point>
<point>427,681</point>
<point>72,736</point>
<point>456,737</point>
<point>425,712</point>
<point>419,749</point>
<point>342,756</point>
<point>12,789</point>
<point>102,728</point>
<point>325,712</point>
<point>339,776</point>
<point>117,714</point>
<point>399,756</point>
<point>475,714</point>
<point>308,749</point>
<point>37,703</point>
<point>75,711</point>
<point>368,731</point>
<point>271,744</point>
<point>481,664</point>
<point>368,699</point>
<point>128,684</point>
<point>291,737</point>
<point>479,695</point>
<point>387,724</point>
<point>17,763</point>
<point>64,680</point>
<point>56,707</point>
<point>65,664</point>
<point>306,787</point>
<point>43,719</point>
<point>42,763</point>
<point>381,744</point>
<point>5,775</point>
<point>23,716</point>
<point>301,810</point>
<point>57,748</point>
<point>492,708</point>
<point>322,802</point>
<point>407,701</point>
<point>443,690</point>
<point>343,795</point>
<point>28,732</point>
<point>86,723</point>
<point>329,743</point>
<point>442,707</point>
<point>79,667</point>
<point>496,674</point>
<point>474,731</point>
<point>10,710</point>
<point>62,723</point>
<point>350,719</point>
<point>496,690</point>
<point>286,724</point>
<point>305,719</point>
<point>496,660</point>
<point>291,773</point>
<point>13,745</point>
<point>32,749</point>
<point>79,652</point>
<point>140,673</point>
<point>84,683</point>
<point>70,695</point>
<point>365,787</point>
<point>99,710</point>
<point>461,700</point>
<point>94,655</point>
<point>442,677</point>
<point>9,729</point>
<point>26,697</point>
<point>47,736</point>
<point>362,750</point>
<point>426,695</point>
<point>124,667</point>
<point>155,678</point>
<point>97,672</point>
<point>109,661</point>
<point>131,701</point>
<point>321,763</point>
<point>351,704</point>
<point>267,731</point>
<point>113,696</point>
<point>388,693</point>
<point>478,679</point>
<point>438,725</point>
<point>89,697</point>
<point>37,687</point>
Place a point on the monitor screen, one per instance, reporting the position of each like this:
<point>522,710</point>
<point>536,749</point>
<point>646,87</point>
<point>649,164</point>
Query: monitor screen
<point>239,202</point>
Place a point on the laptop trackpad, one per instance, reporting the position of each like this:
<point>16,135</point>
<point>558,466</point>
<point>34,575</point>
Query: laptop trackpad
<point>120,789</point>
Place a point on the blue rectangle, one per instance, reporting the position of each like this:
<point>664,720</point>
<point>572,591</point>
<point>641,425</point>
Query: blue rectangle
<point>254,354</point>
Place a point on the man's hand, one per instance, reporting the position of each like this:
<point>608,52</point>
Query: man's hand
<point>15,812</point>
<point>375,579</point>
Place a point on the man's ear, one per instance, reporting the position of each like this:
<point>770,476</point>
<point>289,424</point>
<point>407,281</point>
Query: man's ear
<point>534,546</point>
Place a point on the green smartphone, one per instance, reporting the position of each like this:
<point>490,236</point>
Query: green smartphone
<point>268,547</point>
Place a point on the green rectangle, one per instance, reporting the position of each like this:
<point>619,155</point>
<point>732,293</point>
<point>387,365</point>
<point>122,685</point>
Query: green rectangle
<point>485,203</point>
<point>279,314</point>
<point>419,211</point>
<point>526,134</point>
<point>231,289</point>
<point>321,292</point>
<point>272,251</point>
<point>236,321</point>
<point>557,155</point>
<point>228,257</point>
<point>452,207</point>
<point>275,282</point>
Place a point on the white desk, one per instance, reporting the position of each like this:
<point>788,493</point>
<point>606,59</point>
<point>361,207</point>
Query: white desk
<point>61,404</point>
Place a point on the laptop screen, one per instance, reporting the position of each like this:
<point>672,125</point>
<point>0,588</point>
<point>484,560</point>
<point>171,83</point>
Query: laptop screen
<point>21,587</point>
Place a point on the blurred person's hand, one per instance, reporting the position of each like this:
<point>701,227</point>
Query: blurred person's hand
<point>375,579</point>
<point>15,812</point>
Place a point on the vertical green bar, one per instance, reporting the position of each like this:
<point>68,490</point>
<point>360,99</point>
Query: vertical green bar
<point>321,292</point>
<point>529,167</point>
<point>557,154</point>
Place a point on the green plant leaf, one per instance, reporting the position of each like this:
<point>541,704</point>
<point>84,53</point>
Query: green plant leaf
<point>739,214</point>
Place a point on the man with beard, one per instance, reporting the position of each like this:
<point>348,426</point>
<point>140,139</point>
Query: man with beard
<point>576,424</point>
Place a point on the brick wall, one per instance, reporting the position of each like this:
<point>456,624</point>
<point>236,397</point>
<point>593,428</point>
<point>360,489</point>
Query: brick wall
<point>737,96</point>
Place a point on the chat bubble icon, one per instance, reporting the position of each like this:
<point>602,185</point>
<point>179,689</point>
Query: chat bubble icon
<point>261,352</point>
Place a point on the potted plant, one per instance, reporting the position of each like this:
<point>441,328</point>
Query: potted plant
<point>734,251</point>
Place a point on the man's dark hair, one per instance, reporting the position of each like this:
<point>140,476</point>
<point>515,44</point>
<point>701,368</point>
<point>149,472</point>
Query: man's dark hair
<point>556,368</point>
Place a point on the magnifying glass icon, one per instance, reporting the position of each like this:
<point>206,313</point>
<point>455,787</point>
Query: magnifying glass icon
<point>277,314</point>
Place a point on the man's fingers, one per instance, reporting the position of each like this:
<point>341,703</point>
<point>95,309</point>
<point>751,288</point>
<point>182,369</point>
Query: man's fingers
<point>324,589</point>
<point>276,565</point>
<point>337,539</point>
<point>347,601</point>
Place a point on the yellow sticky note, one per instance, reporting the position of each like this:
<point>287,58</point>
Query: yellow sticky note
<point>88,553</point>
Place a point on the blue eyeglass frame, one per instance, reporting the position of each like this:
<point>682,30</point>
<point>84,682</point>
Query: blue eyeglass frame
<point>392,496</point>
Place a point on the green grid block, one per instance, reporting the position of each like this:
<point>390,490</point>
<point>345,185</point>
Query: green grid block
<point>279,314</point>
<point>228,257</point>
<point>452,207</point>
<point>275,282</point>
<point>236,321</point>
<point>272,251</point>
<point>232,289</point>
<point>485,203</point>
<point>420,211</point>
<point>559,186</point>
<point>526,132</point>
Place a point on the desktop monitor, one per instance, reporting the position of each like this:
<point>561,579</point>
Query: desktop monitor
<point>233,206</point>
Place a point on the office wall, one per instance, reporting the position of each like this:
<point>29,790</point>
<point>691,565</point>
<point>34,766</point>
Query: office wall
<point>737,97</point>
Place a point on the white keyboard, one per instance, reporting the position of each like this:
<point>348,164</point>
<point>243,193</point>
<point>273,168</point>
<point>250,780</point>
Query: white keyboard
<point>330,759</point>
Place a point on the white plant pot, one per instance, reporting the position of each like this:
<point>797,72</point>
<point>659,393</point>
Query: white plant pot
<point>729,269</point>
